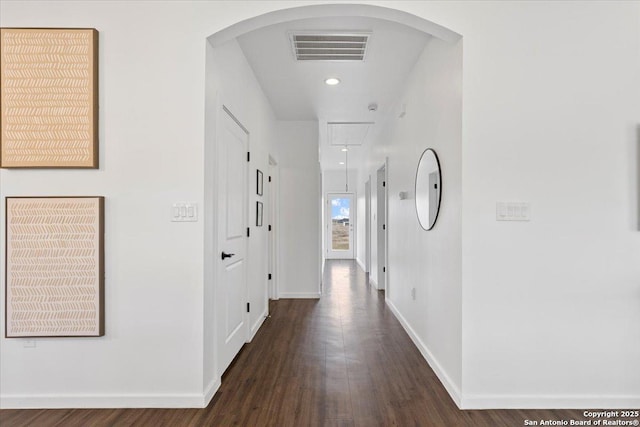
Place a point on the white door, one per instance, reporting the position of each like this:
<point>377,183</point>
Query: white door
<point>232,240</point>
<point>339,232</point>
<point>367,227</point>
<point>382,227</point>
<point>273,181</point>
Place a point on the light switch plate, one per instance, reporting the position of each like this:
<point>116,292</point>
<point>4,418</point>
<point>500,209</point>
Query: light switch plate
<point>513,211</point>
<point>184,212</point>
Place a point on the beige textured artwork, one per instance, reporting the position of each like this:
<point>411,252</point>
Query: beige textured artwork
<point>49,98</point>
<point>54,267</point>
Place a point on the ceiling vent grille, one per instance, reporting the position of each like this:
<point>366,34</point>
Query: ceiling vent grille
<point>329,46</point>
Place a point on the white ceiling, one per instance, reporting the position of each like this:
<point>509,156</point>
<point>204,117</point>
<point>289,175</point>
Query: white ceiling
<point>296,89</point>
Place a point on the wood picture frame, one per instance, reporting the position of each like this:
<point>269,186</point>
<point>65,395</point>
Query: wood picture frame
<point>54,267</point>
<point>259,209</point>
<point>259,182</point>
<point>49,98</point>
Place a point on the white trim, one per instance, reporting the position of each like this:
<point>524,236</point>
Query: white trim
<point>299,295</point>
<point>210,391</point>
<point>373,282</point>
<point>449,385</point>
<point>361,264</point>
<point>523,401</point>
<point>258,323</point>
<point>59,401</point>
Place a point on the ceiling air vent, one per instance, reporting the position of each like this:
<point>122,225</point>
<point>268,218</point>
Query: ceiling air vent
<point>329,46</point>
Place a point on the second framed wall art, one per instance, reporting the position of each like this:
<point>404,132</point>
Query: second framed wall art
<point>54,267</point>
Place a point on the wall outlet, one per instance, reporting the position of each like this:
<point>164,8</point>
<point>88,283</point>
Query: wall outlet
<point>413,294</point>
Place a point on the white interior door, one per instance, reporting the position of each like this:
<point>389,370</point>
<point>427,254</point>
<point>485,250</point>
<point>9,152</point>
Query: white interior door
<point>232,241</point>
<point>274,227</point>
<point>382,227</point>
<point>340,225</point>
<point>367,227</point>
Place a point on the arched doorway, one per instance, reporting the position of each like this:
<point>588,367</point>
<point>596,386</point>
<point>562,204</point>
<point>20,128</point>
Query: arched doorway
<point>232,87</point>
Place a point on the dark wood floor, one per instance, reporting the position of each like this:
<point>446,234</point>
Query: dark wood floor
<point>343,360</point>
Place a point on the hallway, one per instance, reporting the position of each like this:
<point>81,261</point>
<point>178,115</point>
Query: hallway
<point>343,360</point>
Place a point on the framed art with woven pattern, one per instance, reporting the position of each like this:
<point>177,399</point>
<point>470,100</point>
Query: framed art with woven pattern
<point>54,267</point>
<point>48,98</point>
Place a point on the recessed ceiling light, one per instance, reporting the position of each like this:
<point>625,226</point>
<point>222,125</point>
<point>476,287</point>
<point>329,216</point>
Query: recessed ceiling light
<point>342,163</point>
<point>332,81</point>
<point>345,149</point>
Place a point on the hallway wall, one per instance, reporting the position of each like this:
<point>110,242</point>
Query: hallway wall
<point>430,262</point>
<point>300,201</point>
<point>230,81</point>
<point>551,116</point>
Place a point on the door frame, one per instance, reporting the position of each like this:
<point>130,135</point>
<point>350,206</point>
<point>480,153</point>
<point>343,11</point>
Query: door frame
<point>352,223</point>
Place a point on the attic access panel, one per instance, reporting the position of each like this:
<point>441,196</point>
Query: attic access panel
<point>348,133</point>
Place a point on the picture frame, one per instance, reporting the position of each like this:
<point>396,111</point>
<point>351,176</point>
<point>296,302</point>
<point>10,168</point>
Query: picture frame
<point>54,267</point>
<point>259,209</point>
<point>60,130</point>
<point>259,182</point>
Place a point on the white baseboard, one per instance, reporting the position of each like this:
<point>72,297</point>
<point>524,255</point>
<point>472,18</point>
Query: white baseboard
<point>449,385</point>
<point>59,401</point>
<point>372,282</point>
<point>361,264</point>
<point>87,401</point>
<point>513,401</point>
<point>299,295</point>
<point>549,402</point>
<point>257,324</point>
<point>210,391</point>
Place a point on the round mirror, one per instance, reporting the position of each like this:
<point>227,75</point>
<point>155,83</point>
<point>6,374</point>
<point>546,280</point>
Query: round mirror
<point>428,189</point>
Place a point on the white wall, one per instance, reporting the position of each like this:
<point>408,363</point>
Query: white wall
<point>430,262</point>
<point>231,82</point>
<point>299,209</point>
<point>151,131</point>
<point>551,114</point>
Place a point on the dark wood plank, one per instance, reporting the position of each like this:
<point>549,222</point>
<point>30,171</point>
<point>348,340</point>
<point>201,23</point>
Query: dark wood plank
<point>343,360</point>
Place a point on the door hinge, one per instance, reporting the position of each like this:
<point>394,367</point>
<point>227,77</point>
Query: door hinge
<point>384,269</point>
<point>269,276</point>
<point>248,156</point>
<point>269,178</point>
<point>384,183</point>
<point>384,226</point>
<point>248,231</point>
<point>248,307</point>
<point>269,227</point>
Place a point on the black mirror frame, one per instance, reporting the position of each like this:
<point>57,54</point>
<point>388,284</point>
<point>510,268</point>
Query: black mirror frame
<point>416,189</point>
